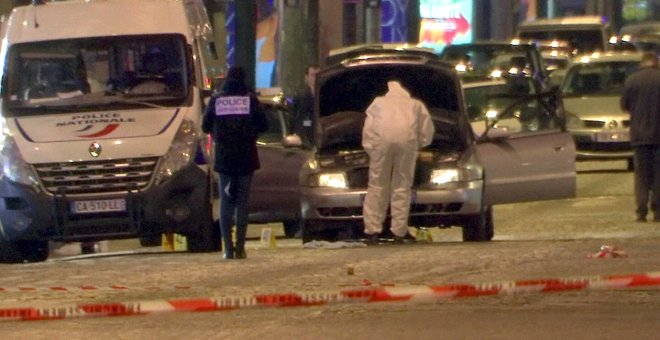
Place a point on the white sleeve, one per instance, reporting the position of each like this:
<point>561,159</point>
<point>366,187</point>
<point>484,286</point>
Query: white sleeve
<point>368,131</point>
<point>425,128</point>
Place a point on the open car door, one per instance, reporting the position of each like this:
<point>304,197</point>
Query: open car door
<point>527,156</point>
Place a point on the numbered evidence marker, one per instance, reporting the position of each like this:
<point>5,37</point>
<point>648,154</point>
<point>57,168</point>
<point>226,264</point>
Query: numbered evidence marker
<point>268,238</point>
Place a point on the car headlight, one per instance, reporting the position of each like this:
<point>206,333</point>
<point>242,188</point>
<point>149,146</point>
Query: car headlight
<point>329,180</point>
<point>443,176</point>
<point>573,121</point>
<point>181,151</point>
<point>14,166</point>
<point>466,173</point>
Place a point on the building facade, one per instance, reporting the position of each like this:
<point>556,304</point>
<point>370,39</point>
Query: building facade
<point>284,36</point>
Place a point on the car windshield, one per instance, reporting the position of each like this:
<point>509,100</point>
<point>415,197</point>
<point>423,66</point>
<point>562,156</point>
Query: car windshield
<point>485,100</point>
<point>278,124</point>
<point>95,73</point>
<point>598,79</point>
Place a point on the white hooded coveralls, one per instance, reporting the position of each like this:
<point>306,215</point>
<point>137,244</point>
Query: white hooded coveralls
<point>396,126</point>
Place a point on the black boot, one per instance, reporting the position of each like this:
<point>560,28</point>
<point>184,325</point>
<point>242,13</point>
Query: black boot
<point>230,253</point>
<point>240,253</point>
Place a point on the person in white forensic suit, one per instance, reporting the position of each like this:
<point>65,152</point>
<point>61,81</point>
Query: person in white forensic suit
<point>396,127</point>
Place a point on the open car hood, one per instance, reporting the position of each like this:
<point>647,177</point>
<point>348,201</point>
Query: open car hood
<point>346,90</point>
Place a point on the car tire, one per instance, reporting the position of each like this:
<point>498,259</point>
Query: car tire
<point>23,251</point>
<point>310,231</point>
<point>479,228</point>
<point>291,228</point>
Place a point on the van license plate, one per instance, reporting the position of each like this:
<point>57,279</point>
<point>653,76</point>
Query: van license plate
<point>97,206</point>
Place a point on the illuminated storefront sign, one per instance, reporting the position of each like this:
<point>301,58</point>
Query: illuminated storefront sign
<point>445,22</point>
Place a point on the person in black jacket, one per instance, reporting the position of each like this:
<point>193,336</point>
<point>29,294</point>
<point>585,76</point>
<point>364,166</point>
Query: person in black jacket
<point>235,119</point>
<point>641,98</point>
<point>303,106</point>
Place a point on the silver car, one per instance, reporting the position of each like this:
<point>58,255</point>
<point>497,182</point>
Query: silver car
<point>591,92</point>
<point>459,177</point>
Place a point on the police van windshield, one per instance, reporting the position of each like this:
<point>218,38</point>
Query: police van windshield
<point>96,74</point>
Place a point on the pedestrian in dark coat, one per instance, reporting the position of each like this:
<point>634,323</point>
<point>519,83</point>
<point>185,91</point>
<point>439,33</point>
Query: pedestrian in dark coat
<point>303,107</point>
<point>234,119</point>
<point>641,98</point>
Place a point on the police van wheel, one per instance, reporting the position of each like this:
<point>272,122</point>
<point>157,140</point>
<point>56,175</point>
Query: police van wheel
<point>23,251</point>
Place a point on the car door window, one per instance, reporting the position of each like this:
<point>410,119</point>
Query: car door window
<point>277,128</point>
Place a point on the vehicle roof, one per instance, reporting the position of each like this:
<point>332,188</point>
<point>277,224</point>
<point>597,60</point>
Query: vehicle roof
<point>586,21</point>
<point>609,56</point>
<point>338,55</point>
<point>272,96</point>
<point>642,28</point>
<point>495,43</point>
<point>44,22</point>
<point>482,82</point>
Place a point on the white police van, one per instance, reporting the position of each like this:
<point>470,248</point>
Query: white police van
<point>101,105</point>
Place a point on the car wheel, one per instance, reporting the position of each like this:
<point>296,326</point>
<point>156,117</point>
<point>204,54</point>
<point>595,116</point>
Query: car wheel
<point>310,231</point>
<point>23,251</point>
<point>479,228</point>
<point>291,228</point>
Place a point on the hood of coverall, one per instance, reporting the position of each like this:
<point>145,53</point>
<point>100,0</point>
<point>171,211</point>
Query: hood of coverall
<point>394,117</point>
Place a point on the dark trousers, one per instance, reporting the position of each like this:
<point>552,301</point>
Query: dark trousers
<point>647,179</point>
<point>234,196</point>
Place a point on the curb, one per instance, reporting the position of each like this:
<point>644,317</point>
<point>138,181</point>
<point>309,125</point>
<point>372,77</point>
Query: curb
<point>419,293</point>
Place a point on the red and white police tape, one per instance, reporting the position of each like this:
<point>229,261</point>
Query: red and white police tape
<point>416,293</point>
<point>85,288</point>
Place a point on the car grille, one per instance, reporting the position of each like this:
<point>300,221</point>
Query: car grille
<point>604,147</point>
<point>415,209</point>
<point>107,176</point>
<point>359,178</point>
<point>593,124</point>
<point>597,124</point>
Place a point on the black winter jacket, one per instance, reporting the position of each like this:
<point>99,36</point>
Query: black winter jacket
<point>235,135</point>
<point>641,97</point>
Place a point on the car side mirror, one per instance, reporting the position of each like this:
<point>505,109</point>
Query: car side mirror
<point>292,141</point>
